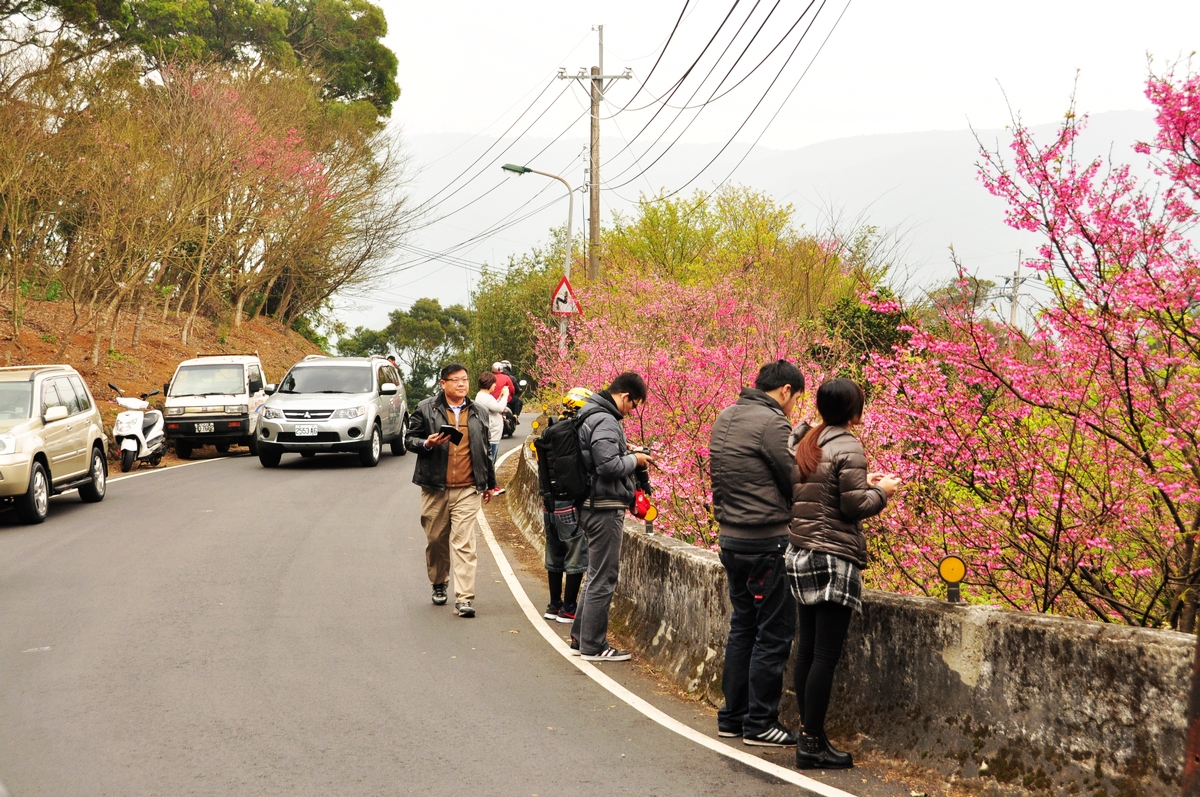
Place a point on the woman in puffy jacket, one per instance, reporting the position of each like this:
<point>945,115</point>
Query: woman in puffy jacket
<point>831,493</point>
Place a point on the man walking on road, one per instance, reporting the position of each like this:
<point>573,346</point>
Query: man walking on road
<point>454,471</point>
<point>752,499</point>
<point>602,517</point>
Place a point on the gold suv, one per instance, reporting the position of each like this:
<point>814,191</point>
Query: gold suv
<point>51,439</point>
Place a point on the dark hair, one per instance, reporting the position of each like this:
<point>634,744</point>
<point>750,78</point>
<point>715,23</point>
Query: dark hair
<point>452,368</point>
<point>486,380</point>
<point>839,401</point>
<point>773,376</point>
<point>630,383</point>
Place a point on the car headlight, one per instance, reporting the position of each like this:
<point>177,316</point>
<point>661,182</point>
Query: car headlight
<point>236,409</point>
<point>271,413</point>
<point>174,410</point>
<point>349,412</point>
<point>8,443</point>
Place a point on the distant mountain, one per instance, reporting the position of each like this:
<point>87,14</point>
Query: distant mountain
<point>922,185</point>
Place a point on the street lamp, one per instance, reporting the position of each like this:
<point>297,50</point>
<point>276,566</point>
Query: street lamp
<point>513,168</point>
<point>519,170</point>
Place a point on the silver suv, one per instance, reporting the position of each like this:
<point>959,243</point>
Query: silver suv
<point>334,404</point>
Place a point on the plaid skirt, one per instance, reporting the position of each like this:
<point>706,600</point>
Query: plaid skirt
<point>818,577</point>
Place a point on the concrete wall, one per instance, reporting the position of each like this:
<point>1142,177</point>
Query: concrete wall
<point>1027,702</point>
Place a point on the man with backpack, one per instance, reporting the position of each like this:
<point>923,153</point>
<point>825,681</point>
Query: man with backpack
<point>563,483</point>
<point>610,465</point>
<point>752,499</point>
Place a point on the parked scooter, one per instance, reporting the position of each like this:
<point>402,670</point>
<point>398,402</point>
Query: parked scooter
<point>139,430</point>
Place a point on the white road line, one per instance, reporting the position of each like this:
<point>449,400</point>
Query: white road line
<point>165,470</point>
<point>628,697</point>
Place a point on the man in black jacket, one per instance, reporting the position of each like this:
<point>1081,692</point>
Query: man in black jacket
<point>602,516</point>
<point>752,498</point>
<point>453,477</point>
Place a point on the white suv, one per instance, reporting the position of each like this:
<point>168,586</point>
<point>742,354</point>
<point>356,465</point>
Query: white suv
<point>214,399</point>
<point>334,404</point>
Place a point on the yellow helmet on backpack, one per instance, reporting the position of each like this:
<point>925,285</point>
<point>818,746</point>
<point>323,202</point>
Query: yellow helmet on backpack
<point>575,399</point>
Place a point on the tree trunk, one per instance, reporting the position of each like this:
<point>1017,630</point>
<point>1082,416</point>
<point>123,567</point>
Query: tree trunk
<point>137,325</point>
<point>237,310</point>
<point>96,341</point>
<point>112,330</point>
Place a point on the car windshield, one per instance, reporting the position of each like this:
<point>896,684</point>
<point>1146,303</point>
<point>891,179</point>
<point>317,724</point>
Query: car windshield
<point>15,400</point>
<point>328,379</point>
<point>208,380</point>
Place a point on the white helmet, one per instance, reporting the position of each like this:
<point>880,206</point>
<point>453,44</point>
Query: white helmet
<point>497,367</point>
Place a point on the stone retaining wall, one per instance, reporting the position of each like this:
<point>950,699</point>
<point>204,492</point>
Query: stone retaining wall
<point>1027,702</point>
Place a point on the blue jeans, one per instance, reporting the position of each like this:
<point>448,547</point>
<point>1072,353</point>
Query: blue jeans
<point>760,638</point>
<point>495,451</point>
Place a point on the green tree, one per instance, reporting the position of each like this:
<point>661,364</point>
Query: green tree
<point>505,304</point>
<point>363,342</point>
<point>424,337</point>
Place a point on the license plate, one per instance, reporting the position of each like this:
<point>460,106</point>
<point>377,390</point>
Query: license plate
<point>204,428</point>
<point>306,430</point>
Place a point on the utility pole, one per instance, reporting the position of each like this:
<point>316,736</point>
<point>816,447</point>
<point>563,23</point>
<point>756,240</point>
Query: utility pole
<point>1012,292</point>
<point>597,77</point>
<point>1016,288</point>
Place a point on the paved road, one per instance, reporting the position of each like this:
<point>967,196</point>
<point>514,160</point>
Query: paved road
<point>224,629</point>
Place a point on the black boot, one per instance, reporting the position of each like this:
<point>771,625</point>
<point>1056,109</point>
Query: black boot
<point>815,752</point>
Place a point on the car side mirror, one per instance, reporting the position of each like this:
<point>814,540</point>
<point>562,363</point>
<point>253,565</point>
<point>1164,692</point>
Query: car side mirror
<point>166,388</point>
<point>55,413</point>
<point>270,389</point>
<point>388,389</point>
<point>255,385</point>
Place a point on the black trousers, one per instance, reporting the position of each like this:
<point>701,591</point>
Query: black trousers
<point>819,645</point>
<point>760,638</point>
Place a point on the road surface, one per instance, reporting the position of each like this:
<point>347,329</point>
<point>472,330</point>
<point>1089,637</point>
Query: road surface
<point>221,628</point>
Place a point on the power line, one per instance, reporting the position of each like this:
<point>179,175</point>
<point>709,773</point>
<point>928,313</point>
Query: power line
<point>425,209</point>
<point>702,105</point>
<point>682,79</point>
<point>759,103</point>
<point>661,52</point>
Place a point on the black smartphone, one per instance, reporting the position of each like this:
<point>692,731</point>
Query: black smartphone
<point>454,434</point>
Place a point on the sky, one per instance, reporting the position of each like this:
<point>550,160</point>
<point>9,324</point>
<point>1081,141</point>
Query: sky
<point>470,69</point>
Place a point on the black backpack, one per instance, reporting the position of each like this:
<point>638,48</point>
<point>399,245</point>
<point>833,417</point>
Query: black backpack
<point>562,474</point>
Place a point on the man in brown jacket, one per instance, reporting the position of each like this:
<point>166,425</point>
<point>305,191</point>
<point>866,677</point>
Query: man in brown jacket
<point>454,476</point>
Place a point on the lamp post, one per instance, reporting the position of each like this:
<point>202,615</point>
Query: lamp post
<point>512,168</point>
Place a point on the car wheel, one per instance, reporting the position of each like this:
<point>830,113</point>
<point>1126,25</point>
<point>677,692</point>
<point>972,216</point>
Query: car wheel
<point>398,449</point>
<point>252,444</point>
<point>269,459</point>
<point>93,491</point>
<point>183,450</point>
<point>222,448</point>
<point>127,458</point>
<point>369,456</point>
<point>308,454</point>
<point>34,505</point>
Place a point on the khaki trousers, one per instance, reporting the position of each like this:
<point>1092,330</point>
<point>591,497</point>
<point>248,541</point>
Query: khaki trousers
<point>450,518</point>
